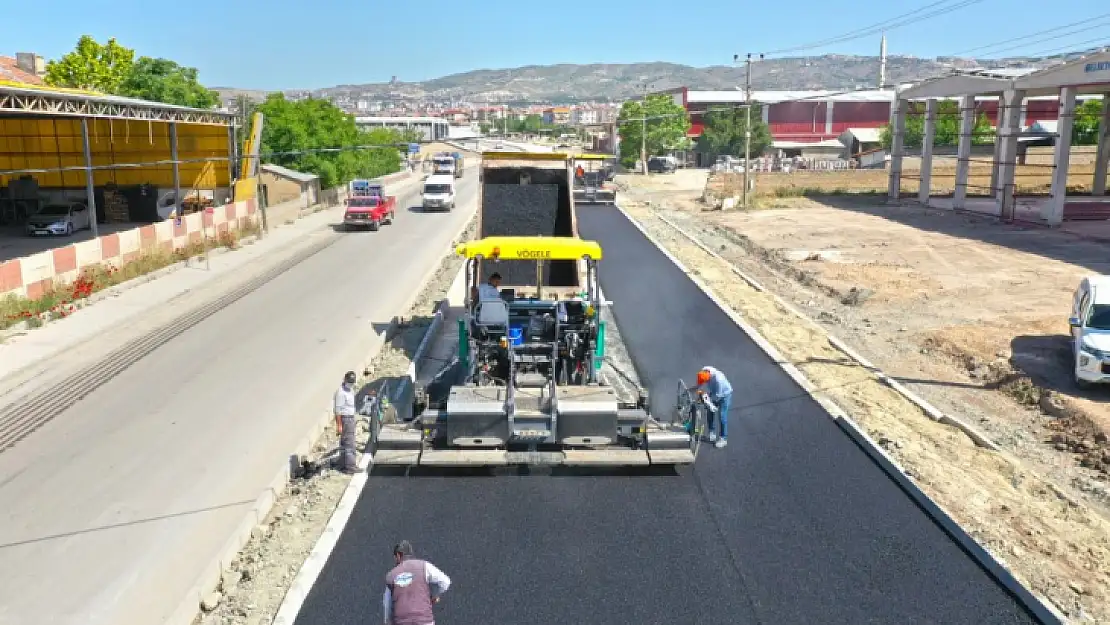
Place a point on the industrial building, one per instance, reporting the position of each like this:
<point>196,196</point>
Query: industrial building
<point>817,123</point>
<point>431,128</point>
<point>59,145</point>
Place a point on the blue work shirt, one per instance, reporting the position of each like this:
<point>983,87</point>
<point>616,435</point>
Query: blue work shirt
<point>718,385</point>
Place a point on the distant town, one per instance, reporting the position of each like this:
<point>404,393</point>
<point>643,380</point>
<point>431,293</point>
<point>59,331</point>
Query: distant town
<point>477,116</point>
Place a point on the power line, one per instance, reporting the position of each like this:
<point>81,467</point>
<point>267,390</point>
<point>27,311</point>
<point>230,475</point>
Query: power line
<point>1032,34</point>
<point>890,24</point>
<point>1054,37</point>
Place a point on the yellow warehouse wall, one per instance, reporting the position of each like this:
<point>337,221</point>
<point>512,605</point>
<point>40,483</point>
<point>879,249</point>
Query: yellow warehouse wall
<point>52,143</point>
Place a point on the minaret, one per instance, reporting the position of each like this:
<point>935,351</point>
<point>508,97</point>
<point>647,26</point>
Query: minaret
<point>882,63</point>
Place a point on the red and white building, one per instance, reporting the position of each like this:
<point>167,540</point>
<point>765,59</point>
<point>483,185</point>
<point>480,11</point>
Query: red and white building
<point>810,123</point>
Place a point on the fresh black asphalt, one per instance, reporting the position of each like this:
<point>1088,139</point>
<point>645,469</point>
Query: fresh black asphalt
<point>791,523</point>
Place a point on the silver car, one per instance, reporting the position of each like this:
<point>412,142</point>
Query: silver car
<point>62,218</point>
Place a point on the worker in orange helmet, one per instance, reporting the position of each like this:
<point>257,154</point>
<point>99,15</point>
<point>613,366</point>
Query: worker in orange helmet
<point>714,384</point>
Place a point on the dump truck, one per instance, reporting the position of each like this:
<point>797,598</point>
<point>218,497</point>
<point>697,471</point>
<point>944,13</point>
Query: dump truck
<point>525,385</point>
<point>591,187</point>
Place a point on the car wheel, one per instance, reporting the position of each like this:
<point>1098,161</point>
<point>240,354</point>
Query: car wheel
<point>1082,384</point>
<point>374,225</point>
<point>69,229</point>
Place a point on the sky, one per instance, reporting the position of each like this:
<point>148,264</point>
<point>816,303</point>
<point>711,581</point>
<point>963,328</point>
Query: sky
<point>285,44</point>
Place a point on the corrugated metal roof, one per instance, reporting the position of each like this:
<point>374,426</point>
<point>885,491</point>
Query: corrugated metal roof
<point>400,120</point>
<point>793,145</point>
<point>864,135</point>
<point>285,172</point>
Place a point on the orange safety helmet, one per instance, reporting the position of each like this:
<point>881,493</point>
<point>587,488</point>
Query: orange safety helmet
<point>703,377</point>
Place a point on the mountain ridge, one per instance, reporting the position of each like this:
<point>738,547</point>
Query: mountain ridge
<point>568,82</point>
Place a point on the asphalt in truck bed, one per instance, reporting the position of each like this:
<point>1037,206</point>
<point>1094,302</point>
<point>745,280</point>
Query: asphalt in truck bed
<point>791,523</point>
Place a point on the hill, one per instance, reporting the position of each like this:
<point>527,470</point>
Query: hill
<point>618,82</point>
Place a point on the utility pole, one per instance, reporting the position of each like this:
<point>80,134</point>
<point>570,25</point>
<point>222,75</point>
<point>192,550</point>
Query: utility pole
<point>747,126</point>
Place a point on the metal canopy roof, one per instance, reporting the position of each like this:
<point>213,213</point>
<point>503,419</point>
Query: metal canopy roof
<point>1089,74</point>
<point>21,99</point>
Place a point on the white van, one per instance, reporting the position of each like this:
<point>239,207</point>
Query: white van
<point>1090,331</point>
<point>439,192</point>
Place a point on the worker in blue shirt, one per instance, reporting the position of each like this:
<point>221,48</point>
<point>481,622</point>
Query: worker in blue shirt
<point>716,386</point>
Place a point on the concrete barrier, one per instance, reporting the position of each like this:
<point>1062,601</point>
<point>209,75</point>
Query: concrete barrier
<point>31,276</point>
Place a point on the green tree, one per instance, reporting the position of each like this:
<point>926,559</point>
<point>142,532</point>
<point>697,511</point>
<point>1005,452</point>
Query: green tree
<point>162,80</point>
<point>947,126</point>
<point>92,66</point>
<point>307,126</point>
<point>1088,119</point>
<point>723,133</point>
<point>666,123</point>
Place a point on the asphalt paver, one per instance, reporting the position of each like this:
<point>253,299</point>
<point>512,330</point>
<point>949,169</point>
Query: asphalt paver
<point>791,523</point>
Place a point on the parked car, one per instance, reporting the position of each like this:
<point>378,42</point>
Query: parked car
<point>661,165</point>
<point>1090,331</point>
<point>59,218</point>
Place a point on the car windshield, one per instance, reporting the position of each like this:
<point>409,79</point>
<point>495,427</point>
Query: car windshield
<point>1100,317</point>
<point>437,189</point>
<point>54,210</point>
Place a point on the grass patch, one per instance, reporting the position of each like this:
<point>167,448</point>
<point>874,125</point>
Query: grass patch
<point>63,299</point>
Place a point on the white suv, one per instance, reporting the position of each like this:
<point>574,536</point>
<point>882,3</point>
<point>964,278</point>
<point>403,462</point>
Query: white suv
<point>1090,331</point>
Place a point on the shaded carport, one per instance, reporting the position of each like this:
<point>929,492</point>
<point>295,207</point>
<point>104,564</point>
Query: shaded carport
<point>123,156</point>
<point>1087,75</point>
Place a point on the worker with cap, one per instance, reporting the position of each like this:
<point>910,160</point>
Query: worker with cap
<point>491,289</point>
<point>412,587</point>
<point>345,422</point>
<point>714,384</point>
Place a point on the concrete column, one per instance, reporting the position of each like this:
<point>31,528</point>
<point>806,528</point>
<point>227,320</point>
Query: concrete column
<point>90,185</point>
<point>231,158</point>
<point>897,136</point>
<point>1053,212</point>
<point>963,150</point>
<point>766,112</point>
<point>927,137</point>
<point>1008,132</point>
<point>1103,157</point>
<point>995,189</point>
<point>829,117</point>
<point>176,170</point>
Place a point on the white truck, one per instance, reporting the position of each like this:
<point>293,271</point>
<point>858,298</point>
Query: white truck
<point>443,164</point>
<point>439,192</point>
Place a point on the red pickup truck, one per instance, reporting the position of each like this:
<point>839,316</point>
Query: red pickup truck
<point>368,206</point>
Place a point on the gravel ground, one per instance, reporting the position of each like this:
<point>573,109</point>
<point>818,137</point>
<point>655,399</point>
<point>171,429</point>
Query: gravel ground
<point>1056,543</point>
<point>253,591</point>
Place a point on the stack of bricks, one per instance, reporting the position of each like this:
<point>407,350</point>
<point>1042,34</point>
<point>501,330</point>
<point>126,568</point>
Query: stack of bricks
<point>115,207</point>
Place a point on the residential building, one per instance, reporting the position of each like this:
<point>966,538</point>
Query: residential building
<point>25,67</point>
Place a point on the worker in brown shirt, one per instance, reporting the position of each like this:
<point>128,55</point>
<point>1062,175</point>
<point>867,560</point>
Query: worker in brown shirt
<point>412,588</point>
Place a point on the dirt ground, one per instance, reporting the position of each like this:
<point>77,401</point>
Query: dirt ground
<point>252,592</point>
<point>1032,179</point>
<point>970,315</point>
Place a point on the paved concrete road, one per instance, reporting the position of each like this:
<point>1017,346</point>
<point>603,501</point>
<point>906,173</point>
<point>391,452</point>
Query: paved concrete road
<point>109,512</point>
<point>791,523</point>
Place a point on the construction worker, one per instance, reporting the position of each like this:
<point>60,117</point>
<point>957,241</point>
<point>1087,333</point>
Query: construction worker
<point>714,384</point>
<point>491,289</point>
<point>345,423</point>
<point>412,588</point>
